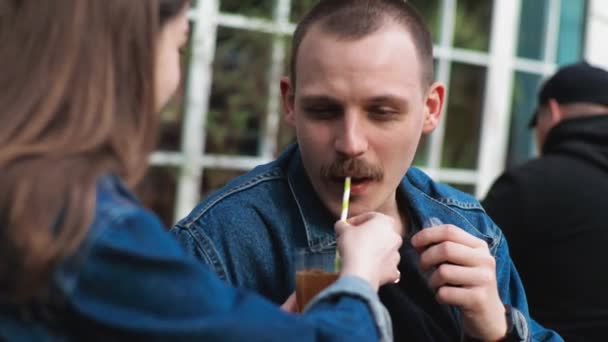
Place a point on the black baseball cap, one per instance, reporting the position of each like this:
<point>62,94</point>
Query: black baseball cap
<point>580,82</point>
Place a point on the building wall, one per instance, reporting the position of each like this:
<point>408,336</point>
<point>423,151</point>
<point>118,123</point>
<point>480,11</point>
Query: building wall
<point>596,49</point>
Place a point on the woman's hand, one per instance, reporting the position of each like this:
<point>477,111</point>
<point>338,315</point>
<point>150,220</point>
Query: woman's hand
<point>369,247</point>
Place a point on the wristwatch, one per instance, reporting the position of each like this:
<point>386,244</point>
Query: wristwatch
<point>517,326</point>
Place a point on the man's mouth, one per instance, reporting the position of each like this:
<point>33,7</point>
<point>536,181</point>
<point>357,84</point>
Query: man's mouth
<point>363,175</point>
<point>358,184</point>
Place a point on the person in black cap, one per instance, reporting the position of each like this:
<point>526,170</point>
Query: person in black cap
<point>554,211</point>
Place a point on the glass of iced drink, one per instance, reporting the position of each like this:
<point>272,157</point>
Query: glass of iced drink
<point>314,272</point>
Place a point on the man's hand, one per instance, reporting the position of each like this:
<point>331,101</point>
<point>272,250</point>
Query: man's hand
<point>464,275</point>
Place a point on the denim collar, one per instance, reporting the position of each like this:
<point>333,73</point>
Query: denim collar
<point>432,203</point>
<point>111,184</point>
<point>317,219</point>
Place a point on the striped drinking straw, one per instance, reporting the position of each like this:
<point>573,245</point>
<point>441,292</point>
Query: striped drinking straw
<point>345,198</point>
<point>343,217</point>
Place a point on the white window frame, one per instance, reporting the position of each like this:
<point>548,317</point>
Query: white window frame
<point>501,63</point>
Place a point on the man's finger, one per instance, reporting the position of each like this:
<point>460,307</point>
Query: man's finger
<point>455,275</point>
<point>446,232</point>
<point>453,253</point>
<point>464,297</point>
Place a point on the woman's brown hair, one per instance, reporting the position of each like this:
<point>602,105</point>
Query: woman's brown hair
<point>76,101</point>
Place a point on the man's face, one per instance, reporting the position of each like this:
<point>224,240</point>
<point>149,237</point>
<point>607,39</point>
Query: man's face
<point>359,109</point>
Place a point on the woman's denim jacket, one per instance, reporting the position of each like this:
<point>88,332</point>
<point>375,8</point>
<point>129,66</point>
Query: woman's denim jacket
<point>131,280</point>
<point>247,231</point>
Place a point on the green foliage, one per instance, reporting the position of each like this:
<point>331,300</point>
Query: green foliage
<point>463,124</point>
<point>253,8</point>
<point>473,24</point>
<point>239,93</point>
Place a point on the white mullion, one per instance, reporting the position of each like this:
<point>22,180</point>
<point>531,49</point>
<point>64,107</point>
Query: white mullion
<point>455,176</point>
<point>231,162</point>
<point>596,30</point>
<point>552,32</point>
<point>499,87</point>
<point>444,66</point>
<point>534,66</point>
<point>196,106</point>
<point>237,21</point>
<point>166,158</point>
<point>462,55</point>
<point>271,129</point>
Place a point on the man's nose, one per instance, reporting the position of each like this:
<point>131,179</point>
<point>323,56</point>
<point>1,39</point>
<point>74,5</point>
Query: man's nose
<point>351,140</point>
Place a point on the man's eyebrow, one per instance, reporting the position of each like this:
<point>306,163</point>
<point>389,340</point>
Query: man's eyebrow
<point>318,99</point>
<point>390,100</point>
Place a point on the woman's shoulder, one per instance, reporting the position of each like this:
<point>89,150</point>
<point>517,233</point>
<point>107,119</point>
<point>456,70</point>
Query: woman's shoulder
<point>121,229</point>
<point>115,203</point>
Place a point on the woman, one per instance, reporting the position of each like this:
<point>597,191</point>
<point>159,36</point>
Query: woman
<point>79,86</point>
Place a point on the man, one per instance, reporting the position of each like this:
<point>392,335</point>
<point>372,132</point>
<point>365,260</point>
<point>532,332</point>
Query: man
<point>553,209</point>
<point>360,95</point>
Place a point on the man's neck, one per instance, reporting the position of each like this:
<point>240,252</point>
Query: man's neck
<point>400,214</point>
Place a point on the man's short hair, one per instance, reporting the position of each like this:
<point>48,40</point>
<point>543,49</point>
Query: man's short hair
<point>354,19</point>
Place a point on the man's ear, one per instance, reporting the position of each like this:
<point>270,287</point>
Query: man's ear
<point>433,106</point>
<point>557,114</point>
<point>288,98</point>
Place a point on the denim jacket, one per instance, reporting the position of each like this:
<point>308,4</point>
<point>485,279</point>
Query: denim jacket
<point>248,231</point>
<point>130,280</point>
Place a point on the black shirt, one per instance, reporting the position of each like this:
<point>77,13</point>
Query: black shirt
<point>416,314</point>
<point>554,212</point>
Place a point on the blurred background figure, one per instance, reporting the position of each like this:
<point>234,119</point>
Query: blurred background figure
<point>553,209</point>
<point>81,84</point>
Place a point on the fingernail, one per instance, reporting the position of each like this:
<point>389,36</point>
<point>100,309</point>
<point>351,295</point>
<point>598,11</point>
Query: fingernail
<point>432,221</point>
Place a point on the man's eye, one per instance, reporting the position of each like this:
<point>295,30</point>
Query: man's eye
<point>383,112</point>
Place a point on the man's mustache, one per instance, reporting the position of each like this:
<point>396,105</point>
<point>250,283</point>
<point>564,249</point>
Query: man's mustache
<point>355,168</point>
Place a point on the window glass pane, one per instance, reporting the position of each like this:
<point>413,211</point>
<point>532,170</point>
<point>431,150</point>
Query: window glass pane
<point>572,31</point>
<point>285,137</point>
<point>431,12</point>
<point>464,108</point>
<point>422,154</point>
<point>532,29</point>
<point>172,114</point>
<point>473,24</point>
<point>157,192</point>
<point>286,134</point>
<point>239,93</point>
<point>523,104</point>
<point>254,8</point>
<point>214,179</point>
<point>171,124</point>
